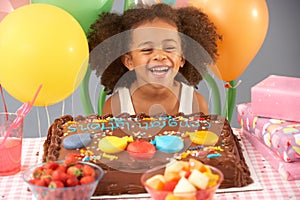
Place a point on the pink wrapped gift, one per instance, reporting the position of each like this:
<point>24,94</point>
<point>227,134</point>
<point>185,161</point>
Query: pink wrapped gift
<point>289,171</point>
<point>277,97</point>
<point>281,136</point>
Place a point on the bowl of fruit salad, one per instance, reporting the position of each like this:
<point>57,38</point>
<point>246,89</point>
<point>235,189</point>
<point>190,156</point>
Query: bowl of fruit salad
<point>182,180</point>
<point>66,179</point>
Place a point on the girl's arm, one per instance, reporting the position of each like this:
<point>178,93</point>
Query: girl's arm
<point>199,103</point>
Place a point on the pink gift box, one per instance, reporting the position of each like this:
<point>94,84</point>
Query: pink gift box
<point>277,97</point>
<point>280,136</point>
<point>289,171</point>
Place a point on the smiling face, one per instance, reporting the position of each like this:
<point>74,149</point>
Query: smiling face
<point>155,53</point>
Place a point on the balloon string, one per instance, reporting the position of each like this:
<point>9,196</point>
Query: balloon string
<point>48,117</point>
<point>4,102</point>
<point>38,122</point>
<point>230,98</point>
<point>216,93</point>
<point>63,108</point>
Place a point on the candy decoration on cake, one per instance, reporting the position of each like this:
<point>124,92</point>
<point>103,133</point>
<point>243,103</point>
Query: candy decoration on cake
<point>141,149</point>
<point>168,143</point>
<point>77,141</point>
<point>114,144</point>
<point>203,137</point>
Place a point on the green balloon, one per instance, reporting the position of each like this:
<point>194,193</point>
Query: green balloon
<point>84,11</point>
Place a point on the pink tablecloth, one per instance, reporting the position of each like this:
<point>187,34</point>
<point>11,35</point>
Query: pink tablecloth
<point>274,186</point>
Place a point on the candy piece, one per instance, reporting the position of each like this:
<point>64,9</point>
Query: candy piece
<point>77,141</point>
<point>113,144</point>
<point>141,149</point>
<point>168,143</point>
<point>203,137</point>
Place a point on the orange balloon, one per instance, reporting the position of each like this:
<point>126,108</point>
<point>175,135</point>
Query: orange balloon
<point>243,25</point>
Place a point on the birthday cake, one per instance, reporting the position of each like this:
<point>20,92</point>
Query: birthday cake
<point>126,146</point>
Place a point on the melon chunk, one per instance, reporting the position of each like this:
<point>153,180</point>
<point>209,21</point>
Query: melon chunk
<point>198,179</point>
<point>184,188</point>
<point>156,182</point>
<point>173,169</point>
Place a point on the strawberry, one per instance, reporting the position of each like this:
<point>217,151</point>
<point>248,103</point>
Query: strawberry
<point>33,181</point>
<point>72,181</point>
<point>88,171</point>
<point>47,179</point>
<point>47,171</point>
<point>70,159</point>
<point>56,184</point>
<point>58,175</point>
<point>74,171</point>
<point>51,165</point>
<point>40,182</point>
<point>79,165</point>
<point>61,167</point>
<point>87,179</point>
<point>38,172</point>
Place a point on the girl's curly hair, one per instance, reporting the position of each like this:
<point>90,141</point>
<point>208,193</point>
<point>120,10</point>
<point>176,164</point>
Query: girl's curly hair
<point>198,37</point>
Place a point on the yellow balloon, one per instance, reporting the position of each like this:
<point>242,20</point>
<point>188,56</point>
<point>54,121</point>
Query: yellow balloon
<point>41,44</point>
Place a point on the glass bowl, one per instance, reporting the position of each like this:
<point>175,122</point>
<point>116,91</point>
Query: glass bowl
<point>162,194</point>
<point>79,192</point>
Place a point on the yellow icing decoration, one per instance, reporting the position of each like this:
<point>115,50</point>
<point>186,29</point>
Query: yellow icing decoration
<point>110,157</point>
<point>113,144</point>
<point>203,137</point>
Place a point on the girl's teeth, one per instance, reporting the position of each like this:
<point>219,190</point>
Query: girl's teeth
<point>159,69</point>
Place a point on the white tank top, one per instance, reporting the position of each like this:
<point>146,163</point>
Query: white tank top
<point>185,103</point>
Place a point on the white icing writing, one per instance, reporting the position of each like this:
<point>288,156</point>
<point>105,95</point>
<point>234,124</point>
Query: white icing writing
<point>135,125</point>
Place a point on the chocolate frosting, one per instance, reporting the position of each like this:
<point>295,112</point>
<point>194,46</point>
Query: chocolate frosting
<point>122,175</point>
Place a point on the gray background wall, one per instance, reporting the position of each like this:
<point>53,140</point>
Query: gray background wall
<point>280,55</point>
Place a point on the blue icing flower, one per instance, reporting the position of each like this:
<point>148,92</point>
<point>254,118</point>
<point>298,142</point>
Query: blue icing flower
<point>168,143</point>
<point>169,2</point>
<point>77,141</point>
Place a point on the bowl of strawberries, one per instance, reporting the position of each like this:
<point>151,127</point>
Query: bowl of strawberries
<point>66,179</point>
<point>182,180</point>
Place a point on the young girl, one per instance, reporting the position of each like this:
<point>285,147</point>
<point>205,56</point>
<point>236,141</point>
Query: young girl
<point>154,59</point>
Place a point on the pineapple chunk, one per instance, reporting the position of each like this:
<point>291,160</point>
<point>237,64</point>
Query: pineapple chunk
<point>195,164</point>
<point>184,188</point>
<point>198,179</point>
<point>156,182</point>
<point>213,178</point>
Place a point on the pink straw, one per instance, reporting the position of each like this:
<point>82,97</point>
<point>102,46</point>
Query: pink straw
<point>21,112</point>
<point>4,103</point>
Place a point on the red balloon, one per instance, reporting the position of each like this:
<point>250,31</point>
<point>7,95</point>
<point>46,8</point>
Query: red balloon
<point>243,25</point>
